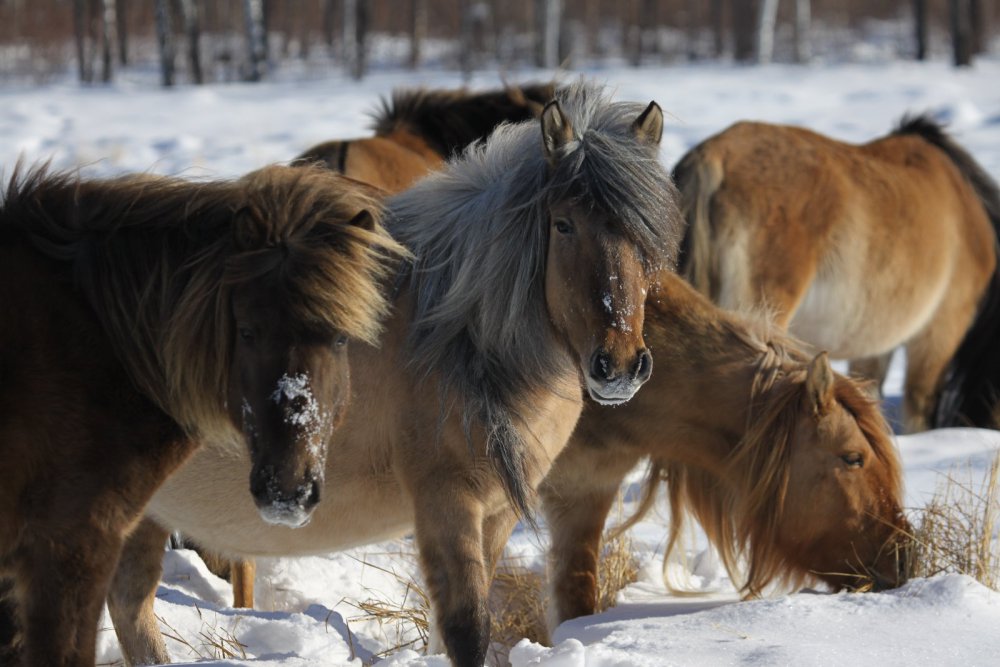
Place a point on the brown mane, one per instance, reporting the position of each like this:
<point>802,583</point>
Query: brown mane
<point>157,258</point>
<point>450,120</point>
<point>742,521</point>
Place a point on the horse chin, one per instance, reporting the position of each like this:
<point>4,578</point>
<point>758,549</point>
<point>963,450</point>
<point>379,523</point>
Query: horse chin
<point>612,394</point>
<point>290,515</point>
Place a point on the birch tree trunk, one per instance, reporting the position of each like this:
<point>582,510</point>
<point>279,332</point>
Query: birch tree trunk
<point>165,37</point>
<point>253,15</point>
<point>418,30</point>
<point>766,18</point>
<point>192,28</point>
<point>108,24</point>
<point>803,19</point>
<point>121,30</point>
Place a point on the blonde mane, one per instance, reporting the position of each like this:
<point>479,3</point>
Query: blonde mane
<point>741,519</point>
<point>158,258</point>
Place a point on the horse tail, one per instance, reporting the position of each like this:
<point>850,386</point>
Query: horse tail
<point>329,154</point>
<point>698,177</point>
<point>971,386</point>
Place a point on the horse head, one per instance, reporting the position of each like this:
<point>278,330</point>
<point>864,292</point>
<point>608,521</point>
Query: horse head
<point>304,281</point>
<point>841,517</point>
<point>596,274</point>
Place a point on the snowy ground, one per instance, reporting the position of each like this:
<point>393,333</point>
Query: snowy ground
<point>312,615</point>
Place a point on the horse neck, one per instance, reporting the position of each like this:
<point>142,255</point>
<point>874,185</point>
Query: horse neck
<point>706,365</point>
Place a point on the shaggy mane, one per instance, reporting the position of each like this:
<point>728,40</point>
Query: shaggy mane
<point>449,120</point>
<point>157,259</point>
<point>479,232</point>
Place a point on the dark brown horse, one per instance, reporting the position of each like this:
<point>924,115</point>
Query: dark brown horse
<point>785,464</point>
<point>857,249</point>
<point>534,253</point>
<point>141,314</point>
<point>417,130</point>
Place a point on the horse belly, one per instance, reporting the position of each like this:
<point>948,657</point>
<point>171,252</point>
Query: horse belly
<point>208,500</point>
<point>852,316</point>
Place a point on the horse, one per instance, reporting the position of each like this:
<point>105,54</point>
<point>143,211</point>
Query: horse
<point>417,130</point>
<point>823,232</point>
<point>142,314</point>
<point>785,463</point>
<point>534,253</point>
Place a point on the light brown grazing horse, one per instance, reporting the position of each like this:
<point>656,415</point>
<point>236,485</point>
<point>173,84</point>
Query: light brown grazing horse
<point>417,130</point>
<point>784,463</point>
<point>855,249</point>
<point>143,313</point>
<point>534,253</point>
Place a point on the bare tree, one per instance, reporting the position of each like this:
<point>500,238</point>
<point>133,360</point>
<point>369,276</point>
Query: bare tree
<point>121,30</point>
<point>108,24</point>
<point>418,30</point>
<point>80,34</point>
<point>253,14</point>
<point>920,27</point>
<point>744,22</point>
<point>767,15</point>
<point>977,24</point>
<point>961,32</point>
<point>355,36</point>
<point>192,28</point>
<point>803,19</point>
<point>329,21</point>
<point>717,11</point>
<point>548,21</point>
<point>165,37</point>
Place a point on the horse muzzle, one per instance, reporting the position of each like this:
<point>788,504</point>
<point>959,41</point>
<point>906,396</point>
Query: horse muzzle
<point>610,386</point>
<point>282,504</point>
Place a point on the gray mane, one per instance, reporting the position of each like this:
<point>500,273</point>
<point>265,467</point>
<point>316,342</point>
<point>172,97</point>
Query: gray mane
<point>479,231</point>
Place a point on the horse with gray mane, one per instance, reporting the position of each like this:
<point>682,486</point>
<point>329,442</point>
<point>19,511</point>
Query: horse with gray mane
<point>857,249</point>
<point>142,314</point>
<point>534,253</point>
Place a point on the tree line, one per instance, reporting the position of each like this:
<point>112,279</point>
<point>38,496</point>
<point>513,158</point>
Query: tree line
<point>201,40</point>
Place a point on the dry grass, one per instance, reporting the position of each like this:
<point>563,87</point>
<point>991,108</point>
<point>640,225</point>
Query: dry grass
<point>956,532</point>
<point>213,641</point>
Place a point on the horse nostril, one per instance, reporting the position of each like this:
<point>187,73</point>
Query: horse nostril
<point>644,366</point>
<point>600,366</point>
<point>314,495</point>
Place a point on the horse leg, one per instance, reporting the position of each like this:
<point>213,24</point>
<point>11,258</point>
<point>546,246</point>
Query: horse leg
<point>8,624</point>
<point>243,573</point>
<point>452,559</point>
<point>60,590</point>
<point>871,368</point>
<point>133,589</point>
<point>927,356</point>
<point>576,497</point>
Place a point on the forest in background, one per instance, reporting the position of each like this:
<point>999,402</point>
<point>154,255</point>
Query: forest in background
<point>195,41</point>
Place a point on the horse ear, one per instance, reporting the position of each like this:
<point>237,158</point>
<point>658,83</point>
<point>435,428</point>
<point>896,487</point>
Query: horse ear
<point>556,131</point>
<point>648,127</point>
<point>364,220</point>
<point>819,384</point>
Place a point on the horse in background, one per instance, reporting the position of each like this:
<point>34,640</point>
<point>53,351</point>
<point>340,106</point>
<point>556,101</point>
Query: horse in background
<point>144,313</point>
<point>417,130</point>
<point>855,249</point>
<point>534,253</point>
<point>784,463</point>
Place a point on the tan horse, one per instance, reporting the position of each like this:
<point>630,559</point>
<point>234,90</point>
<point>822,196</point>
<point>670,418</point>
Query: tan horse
<point>784,463</point>
<point>855,249</point>
<point>417,130</point>
<point>534,254</point>
<point>140,314</point>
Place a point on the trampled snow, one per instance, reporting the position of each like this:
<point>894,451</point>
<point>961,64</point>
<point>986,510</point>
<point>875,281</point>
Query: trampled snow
<point>311,605</point>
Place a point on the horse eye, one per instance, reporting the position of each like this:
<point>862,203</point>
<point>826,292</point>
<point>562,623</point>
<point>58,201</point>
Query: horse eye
<point>564,226</point>
<point>853,460</point>
<point>340,341</point>
<point>246,334</point>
